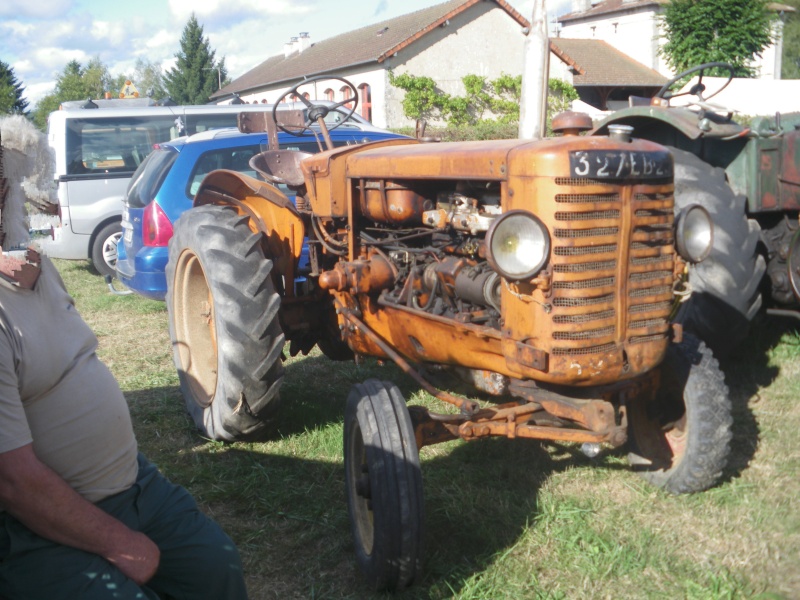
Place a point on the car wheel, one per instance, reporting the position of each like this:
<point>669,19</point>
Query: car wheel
<point>104,249</point>
<point>680,435</point>
<point>383,484</point>
<point>223,318</point>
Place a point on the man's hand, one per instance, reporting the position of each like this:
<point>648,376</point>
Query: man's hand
<point>138,558</point>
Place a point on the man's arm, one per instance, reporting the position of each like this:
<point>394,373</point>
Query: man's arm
<point>40,499</point>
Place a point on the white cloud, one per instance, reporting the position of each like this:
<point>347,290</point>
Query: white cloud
<point>115,34</point>
<point>45,9</point>
<point>225,10</point>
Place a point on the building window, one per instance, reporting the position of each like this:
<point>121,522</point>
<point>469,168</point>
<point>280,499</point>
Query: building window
<point>346,93</point>
<point>329,94</point>
<point>365,96</point>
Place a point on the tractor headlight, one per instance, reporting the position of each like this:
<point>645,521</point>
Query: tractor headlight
<point>694,233</point>
<point>518,245</point>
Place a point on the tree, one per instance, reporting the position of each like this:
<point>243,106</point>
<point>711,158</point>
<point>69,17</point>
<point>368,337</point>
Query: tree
<point>97,80</point>
<point>790,63</point>
<point>74,83</point>
<point>149,79</point>
<point>11,90</point>
<point>70,84</point>
<point>196,75</point>
<point>731,31</point>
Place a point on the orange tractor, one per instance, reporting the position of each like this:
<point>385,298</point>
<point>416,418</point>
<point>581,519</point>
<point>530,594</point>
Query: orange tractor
<point>545,273</point>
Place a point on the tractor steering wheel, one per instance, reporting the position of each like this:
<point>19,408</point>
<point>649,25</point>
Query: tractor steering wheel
<point>698,88</point>
<point>315,111</point>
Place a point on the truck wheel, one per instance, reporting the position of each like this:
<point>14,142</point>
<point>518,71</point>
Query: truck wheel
<point>104,249</point>
<point>223,322</point>
<point>383,484</point>
<point>725,286</point>
<point>680,435</point>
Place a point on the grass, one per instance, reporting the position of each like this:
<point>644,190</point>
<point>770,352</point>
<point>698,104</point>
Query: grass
<point>504,519</point>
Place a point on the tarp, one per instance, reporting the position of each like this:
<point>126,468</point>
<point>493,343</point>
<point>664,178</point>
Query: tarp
<point>750,97</point>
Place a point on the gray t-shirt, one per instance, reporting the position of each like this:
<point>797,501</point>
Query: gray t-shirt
<point>56,393</point>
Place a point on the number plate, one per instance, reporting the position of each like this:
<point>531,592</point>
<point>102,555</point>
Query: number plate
<point>620,164</point>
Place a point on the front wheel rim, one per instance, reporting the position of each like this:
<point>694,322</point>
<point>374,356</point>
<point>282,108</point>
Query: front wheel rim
<point>360,492</point>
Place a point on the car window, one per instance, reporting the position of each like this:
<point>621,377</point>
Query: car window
<point>234,159</point>
<point>238,159</point>
<point>147,179</point>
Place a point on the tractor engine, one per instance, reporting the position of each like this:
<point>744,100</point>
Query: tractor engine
<point>552,260</point>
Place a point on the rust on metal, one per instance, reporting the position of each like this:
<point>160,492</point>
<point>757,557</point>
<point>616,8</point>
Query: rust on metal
<point>374,274</point>
<point>571,123</point>
<point>461,403</point>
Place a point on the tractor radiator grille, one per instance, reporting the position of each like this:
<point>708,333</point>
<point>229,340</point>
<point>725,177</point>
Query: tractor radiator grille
<point>612,265</point>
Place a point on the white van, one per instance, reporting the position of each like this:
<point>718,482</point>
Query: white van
<point>98,149</point>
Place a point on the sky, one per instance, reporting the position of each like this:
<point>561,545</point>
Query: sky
<point>39,37</point>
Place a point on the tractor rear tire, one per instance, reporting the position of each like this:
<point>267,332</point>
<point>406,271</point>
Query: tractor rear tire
<point>383,484</point>
<point>223,321</point>
<point>680,436</point>
<point>725,286</point>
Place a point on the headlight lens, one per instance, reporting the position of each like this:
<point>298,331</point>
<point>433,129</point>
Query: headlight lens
<point>694,233</point>
<point>518,245</point>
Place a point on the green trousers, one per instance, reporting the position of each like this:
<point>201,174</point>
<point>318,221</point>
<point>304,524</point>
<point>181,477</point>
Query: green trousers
<point>198,560</point>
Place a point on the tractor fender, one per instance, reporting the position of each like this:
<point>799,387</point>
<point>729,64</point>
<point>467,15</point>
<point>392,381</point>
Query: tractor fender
<point>268,210</point>
<point>646,119</point>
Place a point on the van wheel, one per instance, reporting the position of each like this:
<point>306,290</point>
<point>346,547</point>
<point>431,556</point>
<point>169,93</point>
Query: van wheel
<point>104,249</point>
<point>223,322</point>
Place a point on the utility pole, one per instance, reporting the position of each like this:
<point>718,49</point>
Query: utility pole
<point>535,77</point>
<point>219,75</point>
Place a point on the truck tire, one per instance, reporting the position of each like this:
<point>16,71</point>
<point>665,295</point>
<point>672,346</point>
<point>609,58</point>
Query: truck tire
<point>223,322</point>
<point>725,286</point>
<point>680,436</point>
<point>104,249</point>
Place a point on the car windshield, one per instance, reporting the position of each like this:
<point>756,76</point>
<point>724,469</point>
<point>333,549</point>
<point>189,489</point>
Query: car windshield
<point>148,178</point>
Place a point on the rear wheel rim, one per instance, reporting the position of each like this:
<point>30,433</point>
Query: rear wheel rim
<point>195,328</point>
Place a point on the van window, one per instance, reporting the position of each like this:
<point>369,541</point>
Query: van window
<point>118,145</point>
<point>197,123</point>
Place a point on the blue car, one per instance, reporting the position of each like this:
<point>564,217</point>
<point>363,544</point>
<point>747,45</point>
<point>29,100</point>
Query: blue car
<point>164,185</point>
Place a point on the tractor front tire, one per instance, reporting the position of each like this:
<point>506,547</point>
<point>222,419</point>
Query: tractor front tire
<point>680,435</point>
<point>725,286</point>
<point>223,321</point>
<point>383,485</point>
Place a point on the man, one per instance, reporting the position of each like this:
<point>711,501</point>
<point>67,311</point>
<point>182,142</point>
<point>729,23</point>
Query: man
<point>82,513</point>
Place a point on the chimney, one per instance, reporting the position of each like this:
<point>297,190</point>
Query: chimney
<point>305,41</point>
<point>580,6</point>
<point>290,47</point>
